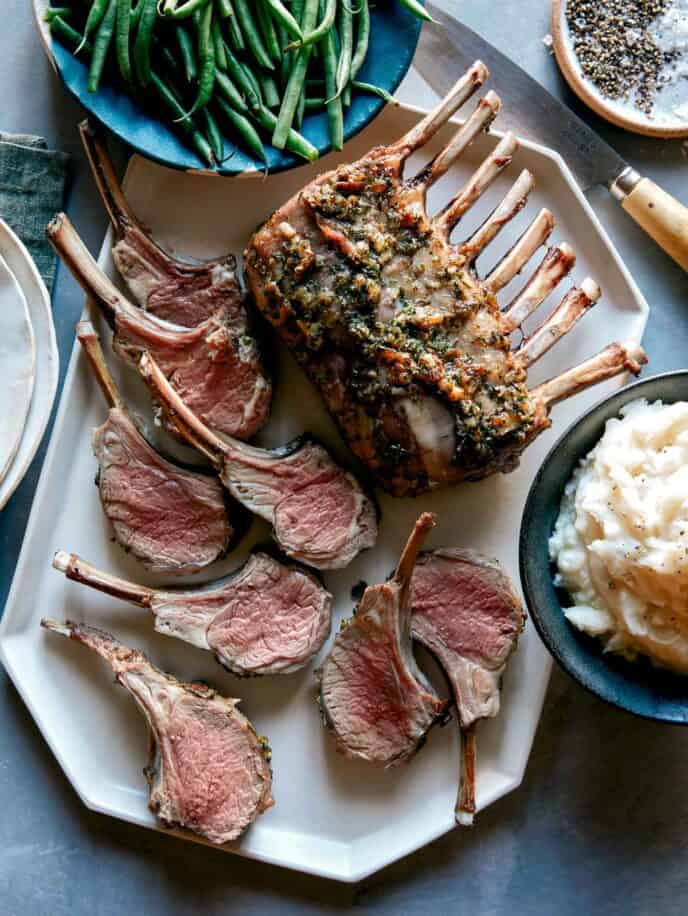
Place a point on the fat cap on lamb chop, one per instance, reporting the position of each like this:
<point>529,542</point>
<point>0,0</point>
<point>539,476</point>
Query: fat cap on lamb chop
<point>215,365</point>
<point>169,518</point>
<point>466,612</point>
<point>264,618</point>
<point>408,346</point>
<point>177,291</point>
<point>373,696</point>
<point>319,513</point>
<point>209,771</point>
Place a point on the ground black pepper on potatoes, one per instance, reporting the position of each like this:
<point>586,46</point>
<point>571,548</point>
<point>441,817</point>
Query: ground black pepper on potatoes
<point>616,49</point>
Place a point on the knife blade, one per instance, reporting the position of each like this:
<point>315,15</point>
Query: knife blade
<point>531,112</point>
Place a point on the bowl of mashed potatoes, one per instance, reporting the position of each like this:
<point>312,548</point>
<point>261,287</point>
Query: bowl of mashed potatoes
<point>604,549</point>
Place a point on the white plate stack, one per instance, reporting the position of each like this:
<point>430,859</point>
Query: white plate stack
<point>29,361</point>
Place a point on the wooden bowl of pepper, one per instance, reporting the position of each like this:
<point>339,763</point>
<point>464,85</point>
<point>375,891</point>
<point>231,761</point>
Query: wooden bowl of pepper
<point>617,56</point>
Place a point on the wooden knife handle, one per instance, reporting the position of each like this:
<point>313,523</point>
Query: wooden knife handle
<point>663,217</point>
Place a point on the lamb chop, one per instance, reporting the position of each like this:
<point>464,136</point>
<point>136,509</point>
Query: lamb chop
<point>264,618</point>
<point>466,612</point>
<point>215,366</point>
<point>171,519</point>
<point>389,318</point>
<point>373,696</point>
<point>209,770</point>
<point>183,293</point>
<point>319,512</point>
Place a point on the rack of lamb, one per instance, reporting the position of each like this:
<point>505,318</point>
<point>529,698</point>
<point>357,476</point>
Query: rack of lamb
<point>408,346</point>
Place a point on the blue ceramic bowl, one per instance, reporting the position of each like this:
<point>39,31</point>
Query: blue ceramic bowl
<point>393,40</point>
<point>637,687</point>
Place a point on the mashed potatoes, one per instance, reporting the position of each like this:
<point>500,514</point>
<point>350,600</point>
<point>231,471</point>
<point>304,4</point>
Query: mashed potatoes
<point>620,543</point>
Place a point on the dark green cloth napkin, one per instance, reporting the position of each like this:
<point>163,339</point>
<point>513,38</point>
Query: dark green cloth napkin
<point>32,187</point>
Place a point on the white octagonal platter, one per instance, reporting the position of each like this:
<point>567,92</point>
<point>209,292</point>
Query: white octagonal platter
<point>333,817</point>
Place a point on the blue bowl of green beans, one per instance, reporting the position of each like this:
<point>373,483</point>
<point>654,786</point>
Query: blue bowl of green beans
<point>209,86</point>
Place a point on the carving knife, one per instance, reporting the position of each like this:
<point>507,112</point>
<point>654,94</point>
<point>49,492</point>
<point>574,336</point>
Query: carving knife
<point>447,49</point>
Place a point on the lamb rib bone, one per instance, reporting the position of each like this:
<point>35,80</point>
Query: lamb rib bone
<point>407,344</point>
<point>183,293</point>
<point>514,201</point>
<point>467,613</point>
<point>209,770</point>
<point>215,364</point>
<point>169,518</point>
<point>319,512</point>
<point>373,696</point>
<point>264,618</point>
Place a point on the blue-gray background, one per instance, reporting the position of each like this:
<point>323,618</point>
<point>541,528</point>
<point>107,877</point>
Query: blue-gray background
<point>599,824</point>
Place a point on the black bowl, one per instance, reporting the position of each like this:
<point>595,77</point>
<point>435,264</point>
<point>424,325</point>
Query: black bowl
<point>638,687</point>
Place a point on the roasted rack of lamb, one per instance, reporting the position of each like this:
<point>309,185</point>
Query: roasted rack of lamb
<point>169,518</point>
<point>319,513</point>
<point>183,293</point>
<point>215,365</point>
<point>209,771</point>
<point>373,695</point>
<point>264,618</point>
<point>408,346</point>
<point>465,611</point>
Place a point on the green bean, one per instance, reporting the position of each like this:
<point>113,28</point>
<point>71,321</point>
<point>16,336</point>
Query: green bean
<point>335,120</point>
<point>186,10</point>
<point>123,27</point>
<point>225,8</point>
<point>187,53</point>
<point>95,17</point>
<point>267,30</point>
<point>295,142</point>
<point>321,30</point>
<point>136,15</point>
<point>219,45</point>
<point>101,46</point>
<point>284,58</point>
<point>374,90</point>
<point>246,85</point>
<point>236,39</point>
<point>252,35</point>
<point>292,93</point>
<point>170,61</point>
<point>242,129</point>
<point>69,36</point>
<point>418,10</point>
<point>143,40</point>
<point>226,88</point>
<point>346,95</point>
<point>283,17</point>
<point>61,11</point>
<point>346,40</point>
<point>268,90</point>
<point>206,60</point>
<point>300,109</point>
<point>251,79</point>
<point>362,38</point>
<point>182,119</point>
<point>213,135</point>
<point>316,103</point>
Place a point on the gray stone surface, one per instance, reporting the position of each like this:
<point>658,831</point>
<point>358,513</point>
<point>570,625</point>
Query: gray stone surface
<point>599,823</point>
